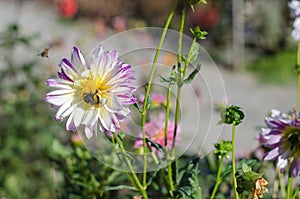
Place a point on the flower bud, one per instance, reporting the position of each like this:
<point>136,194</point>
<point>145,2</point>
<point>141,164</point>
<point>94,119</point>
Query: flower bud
<point>232,114</point>
<point>223,149</point>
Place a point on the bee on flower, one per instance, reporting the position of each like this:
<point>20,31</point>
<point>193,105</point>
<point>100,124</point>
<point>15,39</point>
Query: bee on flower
<point>93,92</point>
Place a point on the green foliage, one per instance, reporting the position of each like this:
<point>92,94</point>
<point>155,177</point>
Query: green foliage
<point>189,184</point>
<point>246,178</point>
<point>26,130</point>
<point>84,176</point>
<point>12,36</point>
<point>276,68</point>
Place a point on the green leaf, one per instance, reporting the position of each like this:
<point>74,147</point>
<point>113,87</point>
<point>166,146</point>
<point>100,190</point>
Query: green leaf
<point>170,80</point>
<point>192,75</point>
<point>156,146</point>
<point>149,98</point>
<point>245,168</point>
<point>191,189</point>
<point>137,106</point>
<point>194,53</point>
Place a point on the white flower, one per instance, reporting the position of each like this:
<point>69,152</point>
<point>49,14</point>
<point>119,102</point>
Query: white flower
<point>93,92</point>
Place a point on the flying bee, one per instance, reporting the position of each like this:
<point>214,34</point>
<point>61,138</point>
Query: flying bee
<point>44,53</point>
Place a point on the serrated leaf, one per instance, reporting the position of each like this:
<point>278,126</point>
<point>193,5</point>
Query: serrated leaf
<point>191,77</point>
<point>170,80</point>
<point>194,53</point>
<point>191,188</point>
<point>245,168</point>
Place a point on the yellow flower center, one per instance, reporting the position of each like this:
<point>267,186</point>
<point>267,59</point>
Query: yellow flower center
<point>291,140</point>
<point>93,90</point>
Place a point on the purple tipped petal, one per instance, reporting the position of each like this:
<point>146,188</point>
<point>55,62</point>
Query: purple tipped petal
<point>296,167</point>
<point>64,76</point>
<point>271,155</point>
<point>272,141</point>
<point>77,58</point>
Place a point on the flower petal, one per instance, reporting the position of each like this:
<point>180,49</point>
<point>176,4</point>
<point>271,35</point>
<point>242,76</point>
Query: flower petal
<point>296,167</point>
<point>105,119</point>
<point>61,92</point>
<point>77,58</point>
<point>113,104</point>
<point>88,132</point>
<point>271,155</point>
<point>78,115</point>
<point>59,83</point>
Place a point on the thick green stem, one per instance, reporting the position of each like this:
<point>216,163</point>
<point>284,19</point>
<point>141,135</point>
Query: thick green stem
<point>144,111</point>
<point>218,180</point>
<point>233,162</point>
<point>298,77</point>
<point>135,179</point>
<point>290,180</point>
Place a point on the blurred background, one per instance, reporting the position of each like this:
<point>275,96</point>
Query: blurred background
<point>248,39</point>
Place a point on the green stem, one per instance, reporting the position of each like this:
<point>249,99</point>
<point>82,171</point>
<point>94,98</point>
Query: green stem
<point>233,162</point>
<point>177,109</point>
<point>179,57</point>
<point>167,118</point>
<point>135,178</point>
<point>298,77</point>
<point>170,177</point>
<point>218,180</point>
<point>179,60</point>
<point>297,191</point>
<point>290,180</point>
<point>144,111</point>
<point>276,184</point>
<point>282,185</point>
<point>171,182</point>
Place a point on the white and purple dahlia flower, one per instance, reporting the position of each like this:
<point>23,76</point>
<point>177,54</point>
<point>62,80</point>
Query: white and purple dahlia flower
<point>294,6</point>
<point>282,136</point>
<point>93,92</point>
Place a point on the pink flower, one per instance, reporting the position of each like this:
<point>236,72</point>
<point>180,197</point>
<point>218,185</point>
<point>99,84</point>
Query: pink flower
<point>155,131</point>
